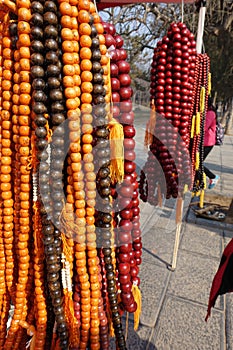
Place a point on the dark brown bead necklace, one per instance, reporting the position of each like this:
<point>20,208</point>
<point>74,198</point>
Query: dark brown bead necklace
<point>54,91</point>
<point>103,215</point>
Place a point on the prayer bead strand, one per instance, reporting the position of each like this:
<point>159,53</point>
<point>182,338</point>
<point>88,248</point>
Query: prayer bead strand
<point>90,189</point>
<point>24,14</point>
<point>3,295</point>
<point>38,96</point>
<point>53,251</point>
<point>80,210</point>
<point>6,163</point>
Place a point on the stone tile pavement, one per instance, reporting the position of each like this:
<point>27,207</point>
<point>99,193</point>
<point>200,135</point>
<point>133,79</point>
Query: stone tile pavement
<point>174,304</point>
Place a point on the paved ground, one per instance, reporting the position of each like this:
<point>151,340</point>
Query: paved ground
<point>174,304</point>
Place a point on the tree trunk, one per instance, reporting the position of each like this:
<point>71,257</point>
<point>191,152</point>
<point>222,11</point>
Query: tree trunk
<point>224,118</point>
<point>229,126</point>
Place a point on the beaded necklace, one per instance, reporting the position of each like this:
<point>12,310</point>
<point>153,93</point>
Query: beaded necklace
<point>38,96</point>
<point>103,218</point>
<point>53,249</point>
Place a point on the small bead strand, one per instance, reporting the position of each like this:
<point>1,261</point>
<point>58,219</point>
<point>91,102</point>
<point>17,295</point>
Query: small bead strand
<point>6,164</point>
<point>38,96</point>
<point>24,14</point>
<point>53,249</point>
<point>3,295</point>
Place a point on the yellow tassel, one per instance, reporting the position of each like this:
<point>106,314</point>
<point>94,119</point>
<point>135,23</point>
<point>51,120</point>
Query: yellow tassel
<point>209,84</point>
<point>204,180</point>
<point>202,99</point>
<point>185,188</point>
<point>201,204</point>
<point>197,163</point>
<point>193,126</point>
<point>111,330</point>
<point>198,122</point>
<point>116,139</point>
<point>138,299</point>
<point>150,126</point>
<point>68,226</point>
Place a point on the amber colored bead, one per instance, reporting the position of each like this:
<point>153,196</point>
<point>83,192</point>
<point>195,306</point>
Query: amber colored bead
<point>90,229</point>
<point>25,178</point>
<point>92,253</point>
<point>78,176</point>
<point>24,196</point>
<point>6,124</point>
<point>85,326</point>
<point>25,75</point>
<point>5,186</point>
<point>85,314</point>
<point>42,313</point>
<point>6,195</point>
<point>24,221</point>
<point>23,273</point>
<point>24,130</point>
<point>23,281</point>
<point>95,295</point>
<point>24,141</point>
<point>94,279</point>
<point>24,111</point>
<point>86,307</point>
<point>74,136</point>
<point>76,167</point>
<point>8,227</point>
<point>24,151</point>
<point>91,194</point>
<point>25,53</point>
<point>6,134</point>
<point>6,152</point>
<point>7,219</point>
<point>24,229</point>
<point>5,115</point>
<point>83,278</point>
<point>80,212</point>
<point>15,97</point>
<point>81,270</point>
<point>94,337</point>
<point>8,203</point>
<point>25,187</point>
<point>24,170</point>
<point>6,143</point>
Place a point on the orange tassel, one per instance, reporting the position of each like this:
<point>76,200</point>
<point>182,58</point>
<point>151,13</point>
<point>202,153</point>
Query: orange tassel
<point>138,299</point>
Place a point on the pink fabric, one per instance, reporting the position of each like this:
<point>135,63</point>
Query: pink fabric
<point>210,129</point>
